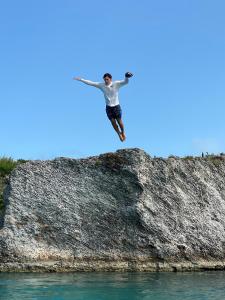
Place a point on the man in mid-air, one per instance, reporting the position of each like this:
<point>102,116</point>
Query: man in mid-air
<point>110,90</point>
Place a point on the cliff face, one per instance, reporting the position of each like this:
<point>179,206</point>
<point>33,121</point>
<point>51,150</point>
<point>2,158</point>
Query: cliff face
<point>118,211</point>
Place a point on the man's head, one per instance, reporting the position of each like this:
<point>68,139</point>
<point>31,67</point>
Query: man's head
<point>107,78</point>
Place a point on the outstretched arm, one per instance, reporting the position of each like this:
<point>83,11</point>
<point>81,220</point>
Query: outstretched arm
<point>92,83</point>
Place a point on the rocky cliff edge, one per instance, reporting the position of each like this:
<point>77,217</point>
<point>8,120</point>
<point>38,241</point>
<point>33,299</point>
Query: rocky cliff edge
<point>122,211</point>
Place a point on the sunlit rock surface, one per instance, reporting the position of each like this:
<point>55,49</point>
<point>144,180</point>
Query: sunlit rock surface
<point>122,211</point>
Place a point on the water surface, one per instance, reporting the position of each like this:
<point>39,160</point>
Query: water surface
<point>102,286</point>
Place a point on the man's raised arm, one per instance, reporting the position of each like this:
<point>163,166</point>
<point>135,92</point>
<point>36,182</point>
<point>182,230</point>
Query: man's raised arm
<point>125,81</point>
<point>121,83</point>
<point>92,83</point>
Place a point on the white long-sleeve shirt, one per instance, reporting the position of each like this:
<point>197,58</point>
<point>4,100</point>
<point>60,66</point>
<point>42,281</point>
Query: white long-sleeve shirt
<point>110,91</point>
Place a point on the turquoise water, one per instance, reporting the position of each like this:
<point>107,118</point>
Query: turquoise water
<point>99,286</point>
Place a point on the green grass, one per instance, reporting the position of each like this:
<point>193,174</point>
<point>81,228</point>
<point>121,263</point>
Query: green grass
<point>7,164</point>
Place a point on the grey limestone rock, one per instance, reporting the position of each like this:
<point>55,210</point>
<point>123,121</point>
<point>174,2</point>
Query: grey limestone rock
<point>117,211</point>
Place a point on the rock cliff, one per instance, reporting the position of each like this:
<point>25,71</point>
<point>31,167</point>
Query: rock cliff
<point>120,211</point>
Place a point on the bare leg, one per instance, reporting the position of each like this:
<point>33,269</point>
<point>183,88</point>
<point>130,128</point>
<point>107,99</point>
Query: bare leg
<point>115,126</point>
<point>120,122</point>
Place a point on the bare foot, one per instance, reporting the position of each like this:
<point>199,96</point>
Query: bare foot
<point>120,136</point>
<point>123,136</point>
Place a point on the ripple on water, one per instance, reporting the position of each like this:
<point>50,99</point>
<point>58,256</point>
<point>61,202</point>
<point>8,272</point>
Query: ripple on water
<point>102,286</point>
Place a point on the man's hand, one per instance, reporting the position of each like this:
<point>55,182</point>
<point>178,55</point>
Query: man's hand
<point>77,78</point>
<point>128,74</point>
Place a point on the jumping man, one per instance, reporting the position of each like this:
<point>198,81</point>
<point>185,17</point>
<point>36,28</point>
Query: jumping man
<point>110,90</point>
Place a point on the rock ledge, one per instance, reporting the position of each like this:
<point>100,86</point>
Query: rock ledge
<point>122,211</point>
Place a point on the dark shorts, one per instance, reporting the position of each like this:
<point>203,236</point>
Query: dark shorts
<point>113,112</point>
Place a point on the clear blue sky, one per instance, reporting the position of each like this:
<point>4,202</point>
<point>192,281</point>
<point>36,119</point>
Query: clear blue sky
<point>174,104</point>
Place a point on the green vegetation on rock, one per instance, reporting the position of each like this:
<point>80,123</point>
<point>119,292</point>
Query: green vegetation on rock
<point>7,164</point>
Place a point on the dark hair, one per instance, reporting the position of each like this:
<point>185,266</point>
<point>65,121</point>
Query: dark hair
<point>107,75</point>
